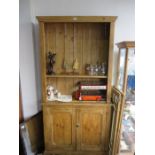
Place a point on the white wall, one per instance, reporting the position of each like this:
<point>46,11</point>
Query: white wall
<point>124,9</point>
<point>124,30</point>
<point>27,61</point>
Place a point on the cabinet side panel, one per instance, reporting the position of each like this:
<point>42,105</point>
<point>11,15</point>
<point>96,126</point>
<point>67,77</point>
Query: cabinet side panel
<point>43,59</point>
<point>110,60</point>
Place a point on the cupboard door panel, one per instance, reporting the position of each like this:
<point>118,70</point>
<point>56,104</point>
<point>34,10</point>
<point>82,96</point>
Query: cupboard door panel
<point>91,130</point>
<point>59,132</point>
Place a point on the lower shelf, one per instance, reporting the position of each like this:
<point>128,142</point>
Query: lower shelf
<point>75,153</point>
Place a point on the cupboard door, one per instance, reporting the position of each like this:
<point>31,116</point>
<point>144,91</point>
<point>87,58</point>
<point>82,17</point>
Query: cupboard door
<point>90,129</point>
<point>58,126</point>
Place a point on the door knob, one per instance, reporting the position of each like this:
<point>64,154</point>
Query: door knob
<point>77,125</point>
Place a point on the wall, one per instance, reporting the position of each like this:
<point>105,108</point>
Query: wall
<point>27,61</point>
<point>124,30</point>
<point>124,9</point>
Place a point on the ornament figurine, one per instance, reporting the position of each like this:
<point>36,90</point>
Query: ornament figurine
<point>50,63</point>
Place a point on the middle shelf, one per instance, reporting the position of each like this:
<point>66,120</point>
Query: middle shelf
<point>76,76</point>
<point>75,102</point>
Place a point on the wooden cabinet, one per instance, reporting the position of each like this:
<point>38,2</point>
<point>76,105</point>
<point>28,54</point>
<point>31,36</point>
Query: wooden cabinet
<point>78,127</point>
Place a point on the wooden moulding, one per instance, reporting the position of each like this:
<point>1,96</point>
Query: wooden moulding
<point>74,153</point>
<point>78,103</point>
<point>76,18</point>
<point>110,60</point>
<point>126,44</point>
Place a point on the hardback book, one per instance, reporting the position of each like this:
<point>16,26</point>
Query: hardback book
<point>91,95</point>
<point>92,85</point>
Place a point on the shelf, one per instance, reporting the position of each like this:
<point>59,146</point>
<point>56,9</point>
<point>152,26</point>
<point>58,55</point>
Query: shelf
<point>76,76</point>
<point>77,102</point>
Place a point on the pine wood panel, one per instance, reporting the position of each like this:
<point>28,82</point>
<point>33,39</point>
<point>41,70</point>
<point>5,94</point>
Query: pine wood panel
<point>86,45</point>
<point>58,126</point>
<point>91,134</point>
<point>69,54</point>
<point>60,47</point>
<point>75,153</point>
<point>91,129</point>
<point>78,44</point>
<point>93,19</point>
<point>85,42</point>
<point>77,76</point>
<point>110,60</point>
<point>107,112</point>
<point>50,35</point>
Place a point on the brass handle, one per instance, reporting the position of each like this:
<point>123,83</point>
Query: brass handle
<point>77,125</point>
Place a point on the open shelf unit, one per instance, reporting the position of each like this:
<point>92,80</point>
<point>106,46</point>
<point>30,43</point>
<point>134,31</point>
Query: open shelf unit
<point>89,41</point>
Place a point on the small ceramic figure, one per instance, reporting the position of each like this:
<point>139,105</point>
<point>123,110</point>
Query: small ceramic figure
<point>75,66</point>
<point>50,93</point>
<point>50,62</point>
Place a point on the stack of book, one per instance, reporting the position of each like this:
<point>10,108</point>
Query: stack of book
<point>91,91</point>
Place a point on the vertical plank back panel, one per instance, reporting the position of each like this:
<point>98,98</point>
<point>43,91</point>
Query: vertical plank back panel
<point>78,44</point>
<point>86,45</point>
<point>60,47</point>
<point>86,42</point>
<point>69,54</point>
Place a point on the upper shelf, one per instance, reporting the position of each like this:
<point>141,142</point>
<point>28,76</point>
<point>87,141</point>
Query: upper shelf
<point>76,76</point>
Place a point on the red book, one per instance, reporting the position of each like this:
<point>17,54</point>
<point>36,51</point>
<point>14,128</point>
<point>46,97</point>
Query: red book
<point>91,98</point>
<point>91,95</point>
